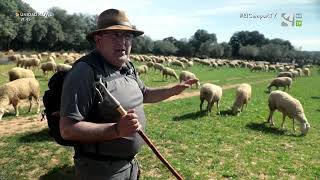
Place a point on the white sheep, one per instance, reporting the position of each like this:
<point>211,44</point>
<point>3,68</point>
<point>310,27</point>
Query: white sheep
<point>186,75</point>
<point>48,66</point>
<point>306,71</point>
<point>31,62</point>
<point>169,72</point>
<point>284,82</point>
<point>63,67</point>
<point>150,64</point>
<point>142,69</point>
<point>18,73</point>
<point>243,96</point>
<point>177,63</point>
<point>190,63</point>
<point>12,92</point>
<point>158,66</point>
<point>289,106</point>
<point>285,74</point>
<point>212,94</point>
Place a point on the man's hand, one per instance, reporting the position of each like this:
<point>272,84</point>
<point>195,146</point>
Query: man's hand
<point>128,124</point>
<point>177,89</point>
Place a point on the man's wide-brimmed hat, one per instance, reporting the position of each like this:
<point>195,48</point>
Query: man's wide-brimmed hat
<point>113,20</point>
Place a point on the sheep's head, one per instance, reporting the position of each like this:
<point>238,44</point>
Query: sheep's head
<point>235,110</point>
<point>2,111</point>
<point>304,125</point>
<point>304,128</point>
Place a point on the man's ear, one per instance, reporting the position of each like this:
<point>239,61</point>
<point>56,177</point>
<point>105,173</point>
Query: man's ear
<point>97,40</point>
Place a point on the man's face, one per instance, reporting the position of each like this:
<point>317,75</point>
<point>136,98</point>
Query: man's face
<point>115,46</point>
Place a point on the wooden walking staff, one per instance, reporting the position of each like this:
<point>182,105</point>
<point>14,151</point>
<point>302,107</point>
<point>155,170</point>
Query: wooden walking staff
<point>115,103</point>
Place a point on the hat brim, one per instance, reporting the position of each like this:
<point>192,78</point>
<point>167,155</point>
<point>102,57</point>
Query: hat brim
<point>135,32</point>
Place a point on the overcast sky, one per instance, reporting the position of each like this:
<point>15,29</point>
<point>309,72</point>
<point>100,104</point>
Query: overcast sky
<point>181,18</point>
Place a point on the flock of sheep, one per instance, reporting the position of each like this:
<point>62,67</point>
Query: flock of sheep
<point>23,84</point>
<point>278,100</point>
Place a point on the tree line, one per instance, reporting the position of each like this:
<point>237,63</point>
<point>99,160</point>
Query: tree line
<point>62,31</point>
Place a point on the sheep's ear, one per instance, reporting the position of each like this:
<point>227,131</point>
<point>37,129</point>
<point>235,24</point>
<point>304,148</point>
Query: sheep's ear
<point>6,110</point>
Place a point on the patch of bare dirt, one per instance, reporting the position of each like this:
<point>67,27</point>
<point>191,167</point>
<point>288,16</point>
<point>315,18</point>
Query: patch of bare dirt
<point>21,125</point>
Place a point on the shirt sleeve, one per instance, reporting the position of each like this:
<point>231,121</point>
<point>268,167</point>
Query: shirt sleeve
<point>78,92</point>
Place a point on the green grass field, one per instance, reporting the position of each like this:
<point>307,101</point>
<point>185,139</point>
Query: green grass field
<point>198,146</point>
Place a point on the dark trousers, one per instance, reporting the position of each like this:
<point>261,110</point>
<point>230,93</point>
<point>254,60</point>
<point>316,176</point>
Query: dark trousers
<point>88,169</point>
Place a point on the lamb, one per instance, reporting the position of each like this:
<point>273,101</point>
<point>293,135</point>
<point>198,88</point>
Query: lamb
<point>280,82</point>
<point>306,71</point>
<point>289,106</point>
<point>186,75</point>
<point>212,94</point>
<point>18,73</point>
<point>142,69</point>
<point>243,96</point>
<point>168,71</point>
<point>14,91</point>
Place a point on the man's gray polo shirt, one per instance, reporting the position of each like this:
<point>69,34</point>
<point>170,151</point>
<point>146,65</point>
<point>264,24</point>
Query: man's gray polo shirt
<point>78,98</point>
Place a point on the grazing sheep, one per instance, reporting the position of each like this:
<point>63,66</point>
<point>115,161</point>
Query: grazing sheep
<point>280,82</point>
<point>18,73</point>
<point>168,71</point>
<point>285,74</point>
<point>142,69</point>
<point>289,106</point>
<point>257,68</point>
<point>299,70</point>
<point>150,64</point>
<point>63,67</point>
<point>177,63</point>
<point>190,63</point>
<point>158,66</point>
<point>306,71</point>
<point>186,75</point>
<point>32,62</point>
<point>211,93</point>
<point>48,66</point>
<point>14,91</point>
<point>21,61</point>
<point>243,96</point>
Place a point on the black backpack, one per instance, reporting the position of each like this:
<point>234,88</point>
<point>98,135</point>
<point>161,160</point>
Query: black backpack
<point>52,101</point>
